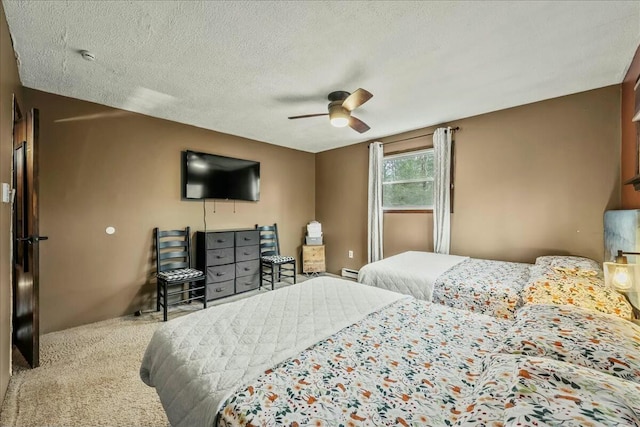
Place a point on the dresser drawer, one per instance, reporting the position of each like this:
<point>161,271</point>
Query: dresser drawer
<point>220,290</point>
<point>247,238</point>
<point>245,253</point>
<point>247,283</point>
<point>220,240</point>
<point>313,267</point>
<point>247,268</point>
<point>313,253</point>
<point>220,256</point>
<point>221,273</point>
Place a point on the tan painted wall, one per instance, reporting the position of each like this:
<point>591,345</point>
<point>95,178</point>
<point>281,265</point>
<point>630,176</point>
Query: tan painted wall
<point>341,204</point>
<point>9,84</point>
<point>630,197</point>
<point>529,180</point>
<point>124,171</point>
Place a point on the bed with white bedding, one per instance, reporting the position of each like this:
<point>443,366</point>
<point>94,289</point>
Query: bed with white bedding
<point>483,286</point>
<point>196,361</point>
<point>331,352</point>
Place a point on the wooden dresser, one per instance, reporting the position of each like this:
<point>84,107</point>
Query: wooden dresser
<point>230,259</point>
<point>313,259</point>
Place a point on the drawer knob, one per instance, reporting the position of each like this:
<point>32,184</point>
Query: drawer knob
<point>220,274</point>
<point>219,256</point>
<point>247,239</point>
<point>247,269</point>
<point>247,253</point>
<point>219,289</point>
<point>221,240</point>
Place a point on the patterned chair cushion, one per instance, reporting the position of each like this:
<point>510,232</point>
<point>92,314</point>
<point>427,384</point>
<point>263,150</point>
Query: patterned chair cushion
<point>180,274</point>
<point>278,259</point>
<point>517,390</point>
<point>576,335</point>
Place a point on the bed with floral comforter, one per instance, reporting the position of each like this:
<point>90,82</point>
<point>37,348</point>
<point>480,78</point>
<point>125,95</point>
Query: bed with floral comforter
<point>408,364</point>
<point>421,364</point>
<point>478,285</point>
<point>402,361</point>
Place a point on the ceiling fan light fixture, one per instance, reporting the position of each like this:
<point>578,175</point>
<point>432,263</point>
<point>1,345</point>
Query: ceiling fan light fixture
<point>339,122</point>
<point>338,116</point>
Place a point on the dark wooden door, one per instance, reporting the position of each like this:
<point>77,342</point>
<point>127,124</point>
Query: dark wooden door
<point>26,330</point>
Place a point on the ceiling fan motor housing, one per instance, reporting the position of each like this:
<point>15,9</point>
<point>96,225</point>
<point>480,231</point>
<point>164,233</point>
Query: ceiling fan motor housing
<point>339,95</point>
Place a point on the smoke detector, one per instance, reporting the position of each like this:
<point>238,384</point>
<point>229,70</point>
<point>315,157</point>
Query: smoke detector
<point>89,56</point>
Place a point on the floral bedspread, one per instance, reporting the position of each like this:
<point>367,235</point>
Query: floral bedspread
<point>533,391</point>
<point>483,286</point>
<point>412,363</point>
<point>576,335</point>
<point>582,291</point>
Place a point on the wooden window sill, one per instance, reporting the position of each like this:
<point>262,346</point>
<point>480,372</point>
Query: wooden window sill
<point>408,211</point>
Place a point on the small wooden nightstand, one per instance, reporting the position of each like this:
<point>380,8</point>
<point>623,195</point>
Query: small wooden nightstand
<point>313,259</point>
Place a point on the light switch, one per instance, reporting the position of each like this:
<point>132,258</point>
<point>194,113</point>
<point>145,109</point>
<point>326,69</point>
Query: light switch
<point>6,193</point>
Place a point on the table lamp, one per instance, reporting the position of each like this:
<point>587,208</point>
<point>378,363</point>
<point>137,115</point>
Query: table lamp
<point>624,278</point>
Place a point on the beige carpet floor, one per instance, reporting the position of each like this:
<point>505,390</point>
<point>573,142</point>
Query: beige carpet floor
<point>88,376</point>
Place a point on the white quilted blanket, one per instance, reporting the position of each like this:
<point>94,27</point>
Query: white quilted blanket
<point>197,361</point>
<point>411,273</point>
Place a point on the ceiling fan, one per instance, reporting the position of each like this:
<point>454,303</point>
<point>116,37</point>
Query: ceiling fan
<point>340,107</point>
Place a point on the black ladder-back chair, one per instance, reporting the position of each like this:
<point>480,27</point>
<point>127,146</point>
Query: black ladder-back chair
<point>273,266</point>
<point>173,269</point>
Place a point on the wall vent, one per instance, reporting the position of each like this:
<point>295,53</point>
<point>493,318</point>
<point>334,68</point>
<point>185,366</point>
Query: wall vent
<point>350,273</point>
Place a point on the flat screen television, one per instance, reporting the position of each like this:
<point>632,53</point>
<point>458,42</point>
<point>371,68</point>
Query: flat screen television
<point>209,176</point>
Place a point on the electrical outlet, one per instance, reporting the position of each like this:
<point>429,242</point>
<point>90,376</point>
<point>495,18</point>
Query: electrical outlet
<point>350,254</point>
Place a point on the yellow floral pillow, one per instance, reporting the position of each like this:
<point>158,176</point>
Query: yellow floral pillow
<point>586,292</point>
<point>576,271</point>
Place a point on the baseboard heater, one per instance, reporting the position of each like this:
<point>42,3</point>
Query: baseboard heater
<point>350,273</point>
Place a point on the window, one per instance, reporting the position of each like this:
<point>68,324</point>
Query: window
<point>407,181</point>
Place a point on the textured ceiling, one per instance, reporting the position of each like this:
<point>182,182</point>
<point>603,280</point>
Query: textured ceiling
<point>244,67</point>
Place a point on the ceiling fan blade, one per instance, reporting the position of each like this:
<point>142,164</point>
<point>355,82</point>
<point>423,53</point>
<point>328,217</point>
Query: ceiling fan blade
<point>358,125</point>
<point>308,115</point>
<point>356,99</point>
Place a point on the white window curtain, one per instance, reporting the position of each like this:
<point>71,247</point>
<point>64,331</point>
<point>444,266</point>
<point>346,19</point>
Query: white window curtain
<point>442,191</point>
<point>375,202</point>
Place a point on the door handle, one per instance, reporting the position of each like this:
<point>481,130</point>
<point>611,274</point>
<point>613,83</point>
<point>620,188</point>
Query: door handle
<point>32,239</point>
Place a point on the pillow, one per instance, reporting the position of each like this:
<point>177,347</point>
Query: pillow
<point>564,261</point>
<point>576,335</point>
<point>576,271</point>
<point>587,292</point>
<point>566,274</point>
<point>523,391</point>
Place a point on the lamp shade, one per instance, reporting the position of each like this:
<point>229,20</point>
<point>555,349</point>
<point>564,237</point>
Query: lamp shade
<point>624,278</point>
